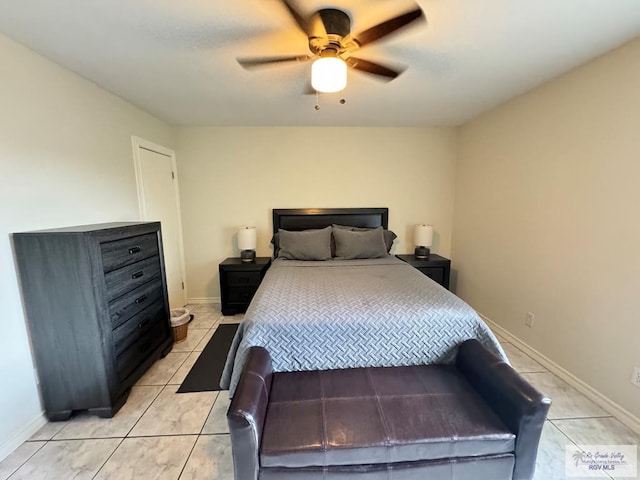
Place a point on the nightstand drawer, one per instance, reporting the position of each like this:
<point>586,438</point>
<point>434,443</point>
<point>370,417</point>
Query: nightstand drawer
<point>243,278</point>
<point>434,273</point>
<point>241,294</point>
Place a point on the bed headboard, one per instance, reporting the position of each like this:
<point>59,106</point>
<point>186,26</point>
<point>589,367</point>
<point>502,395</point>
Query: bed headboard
<point>305,218</point>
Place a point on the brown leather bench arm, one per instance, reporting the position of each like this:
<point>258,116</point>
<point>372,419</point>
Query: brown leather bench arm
<point>520,406</point>
<point>247,413</point>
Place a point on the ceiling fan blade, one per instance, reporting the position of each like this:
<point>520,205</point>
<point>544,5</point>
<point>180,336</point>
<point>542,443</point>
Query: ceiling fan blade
<point>373,68</point>
<point>263,61</point>
<point>302,23</point>
<point>385,28</point>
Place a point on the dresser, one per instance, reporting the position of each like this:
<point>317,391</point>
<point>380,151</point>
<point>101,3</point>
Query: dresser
<point>239,281</point>
<point>96,302</point>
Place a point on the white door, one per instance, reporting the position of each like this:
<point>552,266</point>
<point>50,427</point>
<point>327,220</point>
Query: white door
<point>160,201</point>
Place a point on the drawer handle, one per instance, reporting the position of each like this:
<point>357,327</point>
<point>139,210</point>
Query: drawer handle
<point>141,299</point>
<point>137,275</point>
<point>133,250</point>
<point>144,323</point>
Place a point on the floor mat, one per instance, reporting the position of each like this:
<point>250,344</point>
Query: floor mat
<point>205,374</point>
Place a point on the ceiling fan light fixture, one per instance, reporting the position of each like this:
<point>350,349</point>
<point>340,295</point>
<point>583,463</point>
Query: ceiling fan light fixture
<point>329,74</point>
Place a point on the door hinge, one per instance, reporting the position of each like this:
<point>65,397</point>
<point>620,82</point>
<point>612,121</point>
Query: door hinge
<point>183,285</point>
<point>173,175</point>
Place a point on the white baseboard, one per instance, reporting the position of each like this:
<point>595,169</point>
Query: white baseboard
<point>22,436</point>
<point>626,417</point>
<point>203,300</point>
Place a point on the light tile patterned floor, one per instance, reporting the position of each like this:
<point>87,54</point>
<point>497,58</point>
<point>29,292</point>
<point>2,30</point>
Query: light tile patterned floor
<point>159,434</point>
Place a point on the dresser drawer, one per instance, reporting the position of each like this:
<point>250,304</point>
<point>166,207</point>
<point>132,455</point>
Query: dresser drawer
<point>120,253</point>
<point>434,273</point>
<point>241,294</point>
<point>132,276</point>
<point>139,325</point>
<point>126,306</point>
<point>139,350</point>
<point>243,278</point>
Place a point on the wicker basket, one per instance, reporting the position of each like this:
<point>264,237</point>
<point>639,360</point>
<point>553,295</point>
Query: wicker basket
<point>180,324</point>
<point>180,333</point>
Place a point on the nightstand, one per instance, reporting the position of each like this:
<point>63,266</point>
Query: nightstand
<point>239,281</point>
<point>435,267</point>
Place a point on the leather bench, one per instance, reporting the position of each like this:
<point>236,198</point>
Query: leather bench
<point>477,419</point>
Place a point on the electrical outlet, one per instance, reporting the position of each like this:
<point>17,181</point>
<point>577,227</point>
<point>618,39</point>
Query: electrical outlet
<point>635,378</point>
<point>528,321</point>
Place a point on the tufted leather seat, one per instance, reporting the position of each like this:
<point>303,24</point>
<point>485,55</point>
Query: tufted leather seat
<point>387,423</point>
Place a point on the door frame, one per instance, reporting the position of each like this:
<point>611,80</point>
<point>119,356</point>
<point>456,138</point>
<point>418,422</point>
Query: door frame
<point>138,143</point>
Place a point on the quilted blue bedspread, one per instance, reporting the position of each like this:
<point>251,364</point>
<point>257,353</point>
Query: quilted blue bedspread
<point>353,313</point>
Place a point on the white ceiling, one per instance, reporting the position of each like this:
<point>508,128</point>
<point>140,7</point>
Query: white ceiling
<point>176,59</point>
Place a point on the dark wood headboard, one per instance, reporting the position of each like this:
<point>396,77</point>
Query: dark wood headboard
<point>305,218</point>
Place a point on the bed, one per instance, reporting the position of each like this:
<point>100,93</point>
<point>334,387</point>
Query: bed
<point>348,313</point>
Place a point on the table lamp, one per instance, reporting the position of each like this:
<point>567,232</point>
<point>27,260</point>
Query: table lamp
<point>247,239</point>
<point>422,239</point>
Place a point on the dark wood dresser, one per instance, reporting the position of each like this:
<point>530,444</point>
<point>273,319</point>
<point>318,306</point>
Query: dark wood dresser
<point>98,313</point>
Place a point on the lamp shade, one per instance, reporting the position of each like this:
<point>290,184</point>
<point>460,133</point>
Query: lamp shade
<point>423,235</point>
<point>247,238</point>
<point>329,74</point>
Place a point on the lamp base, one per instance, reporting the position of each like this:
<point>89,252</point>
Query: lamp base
<point>248,256</point>
<point>422,252</point>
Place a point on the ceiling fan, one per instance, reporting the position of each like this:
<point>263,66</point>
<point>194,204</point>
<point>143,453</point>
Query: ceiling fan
<point>332,46</point>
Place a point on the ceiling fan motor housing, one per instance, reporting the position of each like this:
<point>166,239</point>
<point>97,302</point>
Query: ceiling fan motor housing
<point>329,35</point>
<point>328,29</point>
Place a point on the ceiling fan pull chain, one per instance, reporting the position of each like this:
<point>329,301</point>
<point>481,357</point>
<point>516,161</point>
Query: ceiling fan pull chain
<point>342,99</point>
<point>317,107</point>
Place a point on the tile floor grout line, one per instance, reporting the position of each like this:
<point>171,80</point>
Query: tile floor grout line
<point>198,343</point>
<point>193,447</point>
<point>84,439</point>
<point>166,435</point>
<point>579,418</point>
<point>209,414</point>
<point>156,397</point>
<point>30,457</point>
<point>176,371</point>
<point>578,446</point>
<point>143,413</point>
<point>108,458</point>
<point>563,433</point>
<point>160,392</point>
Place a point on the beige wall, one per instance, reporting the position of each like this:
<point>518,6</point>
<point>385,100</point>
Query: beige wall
<point>231,177</point>
<point>65,158</point>
<point>546,220</point>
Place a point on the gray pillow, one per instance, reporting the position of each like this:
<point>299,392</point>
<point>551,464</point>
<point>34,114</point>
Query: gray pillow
<point>305,245</point>
<point>359,244</point>
<point>389,236</point>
